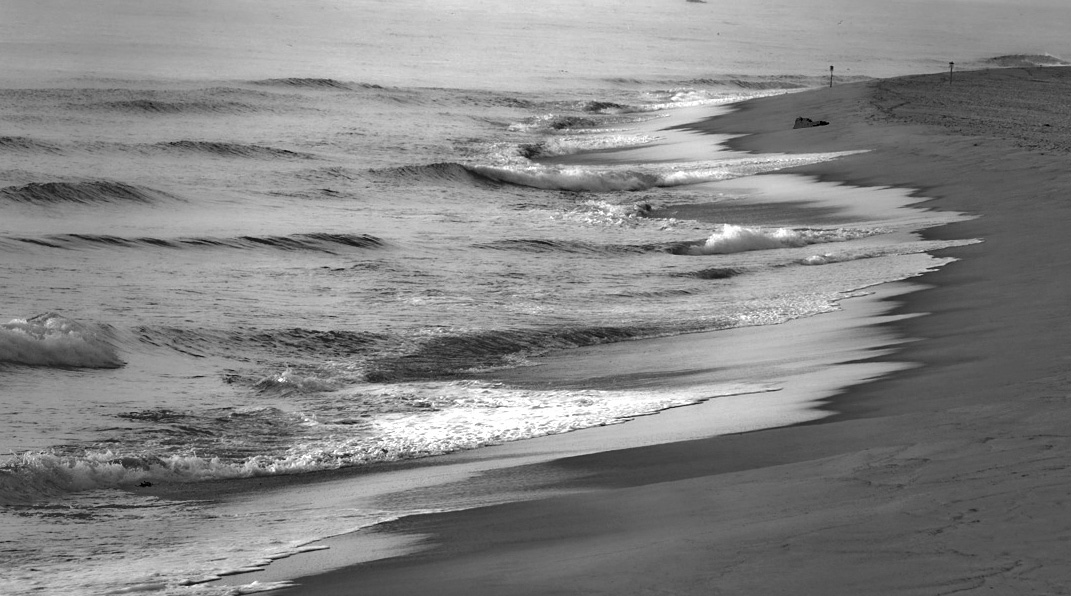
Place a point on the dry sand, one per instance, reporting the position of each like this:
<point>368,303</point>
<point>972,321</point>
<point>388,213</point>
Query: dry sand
<point>952,477</point>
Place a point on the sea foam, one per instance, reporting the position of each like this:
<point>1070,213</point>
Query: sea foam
<point>642,176</point>
<point>734,238</point>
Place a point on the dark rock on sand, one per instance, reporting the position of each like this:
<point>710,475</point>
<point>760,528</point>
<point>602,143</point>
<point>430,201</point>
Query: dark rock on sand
<point>802,122</point>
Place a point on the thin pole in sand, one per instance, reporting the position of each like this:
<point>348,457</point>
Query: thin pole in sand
<point>950,65</point>
<point>831,76</point>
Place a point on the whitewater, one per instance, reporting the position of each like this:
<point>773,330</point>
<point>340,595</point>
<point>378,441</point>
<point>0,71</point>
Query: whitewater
<point>311,268</point>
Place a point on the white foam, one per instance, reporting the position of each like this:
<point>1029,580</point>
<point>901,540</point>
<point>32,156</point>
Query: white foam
<point>459,415</point>
<point>570,145</point>
<point>734,238</point>
<point>53,340</point>
<point>469,414</point>
<point>644,176</point>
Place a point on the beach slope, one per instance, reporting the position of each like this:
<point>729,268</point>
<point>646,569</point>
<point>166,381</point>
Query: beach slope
<point>951,477</point>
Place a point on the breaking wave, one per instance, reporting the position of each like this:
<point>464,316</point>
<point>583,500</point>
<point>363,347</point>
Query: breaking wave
<point>733,239</point>
<point>572,178</point>
<point>576,144</point>
<point>494,413</point>
<point>452,173</point>
<point>640,177</point>
<point>52,340</point>
<point>592,178</point>
<point>554,122</point>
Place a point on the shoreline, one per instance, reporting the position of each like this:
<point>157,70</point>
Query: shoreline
<point>911,485</point>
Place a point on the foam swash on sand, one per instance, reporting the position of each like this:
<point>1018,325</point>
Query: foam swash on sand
<point>239,276</point>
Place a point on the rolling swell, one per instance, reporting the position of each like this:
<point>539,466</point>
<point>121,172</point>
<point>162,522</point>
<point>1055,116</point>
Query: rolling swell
<point>314,242</point>
<point>712,273</point>
<point>92,192</point>
<point>26,145</point>
<point>162,106</point>
<point>258,344</point>
<point>223,149</point>
<point>313,83</point>
<point>564,246</point>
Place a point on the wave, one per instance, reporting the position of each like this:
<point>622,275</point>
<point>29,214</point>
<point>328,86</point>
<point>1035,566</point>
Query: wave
<point>572,178</point>
<point>425,419</point>
<point>52,340</point>
<point>563,246</point>
<point>577,144</point>
<point>454,354</point>
<point>734,239</point>
<point>712,273</point>
<point>261,344</point>
<point>603,107</point>
<point>32,477</point>
<point>316,242</point>
<point>1026,61</point>
<point>168,107</point>
<point>99,191</point>
<point>553,122</point>
<point>26,145</point>
<point>433,418</point>
<point>224,149</point>
<point>313,83</point>
<point>125,101</point>
<point>452,173</point>
<point>632,178</point>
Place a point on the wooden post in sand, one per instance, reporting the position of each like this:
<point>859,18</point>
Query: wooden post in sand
<point>831,76</point>
<point>950,65</point>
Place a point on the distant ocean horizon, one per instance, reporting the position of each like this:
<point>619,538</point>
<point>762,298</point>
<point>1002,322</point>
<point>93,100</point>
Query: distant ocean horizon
<point>247,241</point>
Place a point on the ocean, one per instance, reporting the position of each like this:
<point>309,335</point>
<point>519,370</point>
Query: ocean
<point>244,242</point>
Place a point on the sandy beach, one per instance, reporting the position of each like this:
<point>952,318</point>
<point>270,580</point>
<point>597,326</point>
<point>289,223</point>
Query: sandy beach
<point>948,477</point>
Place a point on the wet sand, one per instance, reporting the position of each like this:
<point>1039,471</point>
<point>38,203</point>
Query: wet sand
<point>950,476</point>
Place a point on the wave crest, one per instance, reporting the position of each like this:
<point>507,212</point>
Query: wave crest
<point>311,83</point>
<point>52,340</point>
<point>98,191</point>
<point>224,149</point>
<point>642,176</point>
<point>577,144</point>
<point>446,172</point>
<point>26,145</point>
<point>316,242</point>
<point>562,246</point>
<point>159,106</point>
<point>733,239</point>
